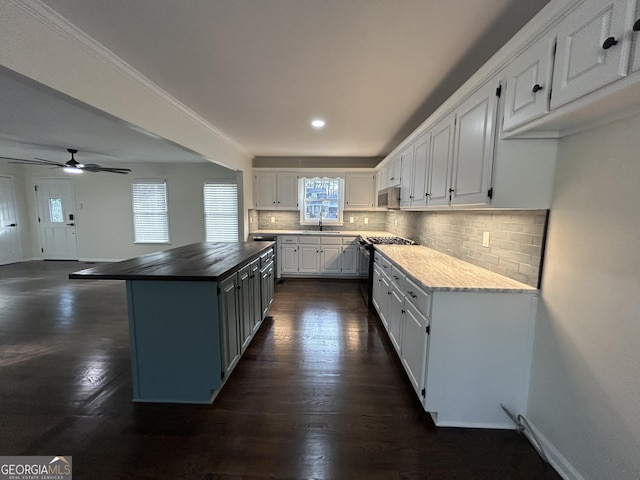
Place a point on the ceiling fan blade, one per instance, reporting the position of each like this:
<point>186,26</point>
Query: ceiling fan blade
<point>122,171</point>
<point>38,161</point>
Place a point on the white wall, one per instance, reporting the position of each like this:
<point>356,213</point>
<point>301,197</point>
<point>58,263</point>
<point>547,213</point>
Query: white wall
<point>103,207</point>
<point>585,389</point>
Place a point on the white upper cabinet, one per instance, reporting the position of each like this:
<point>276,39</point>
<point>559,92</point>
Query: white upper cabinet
<point>528,85</point>
<point>420,170</point>
<point>635,38</point>
<point>592,51</point>
<point>441,154</point>
<point>406,174</point>
<point>275,190</point>
<point>359,191</point>
<point>473,150</point>
<point>395,172</point>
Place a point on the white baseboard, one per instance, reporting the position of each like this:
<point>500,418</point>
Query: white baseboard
<point>556,459</point>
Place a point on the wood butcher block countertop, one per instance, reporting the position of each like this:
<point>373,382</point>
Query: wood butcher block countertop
<point>437,271</point>
<point>205,261</point>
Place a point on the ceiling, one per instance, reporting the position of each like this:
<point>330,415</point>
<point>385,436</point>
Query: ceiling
<point>261,70</point>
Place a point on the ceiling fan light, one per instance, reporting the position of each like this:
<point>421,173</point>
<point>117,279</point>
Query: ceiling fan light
<point>72,170</point>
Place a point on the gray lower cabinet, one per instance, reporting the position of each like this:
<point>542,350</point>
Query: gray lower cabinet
<point>267,277</point>
<point>230,322</point>
<point>256,295</point>
<point>244,298</point>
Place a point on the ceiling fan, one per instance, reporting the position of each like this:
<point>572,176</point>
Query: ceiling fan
<point>72,166</point>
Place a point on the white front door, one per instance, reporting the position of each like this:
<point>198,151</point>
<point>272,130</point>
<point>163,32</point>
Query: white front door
<point>56,219</point>
<point>10,249</point>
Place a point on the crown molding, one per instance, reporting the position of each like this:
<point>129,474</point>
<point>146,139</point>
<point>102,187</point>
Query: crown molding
<point>63,27</point>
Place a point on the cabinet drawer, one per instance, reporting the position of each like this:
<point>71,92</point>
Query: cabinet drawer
<point>385,264</point>
<point>289,239</point>
<point>418,297</point>
<point>398,278</point>
<point>331,240</point>
<point>308,240</point>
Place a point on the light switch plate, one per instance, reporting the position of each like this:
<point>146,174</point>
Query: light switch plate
<point>485,239</point>
<point>366,220</point>
<point>273,219</point>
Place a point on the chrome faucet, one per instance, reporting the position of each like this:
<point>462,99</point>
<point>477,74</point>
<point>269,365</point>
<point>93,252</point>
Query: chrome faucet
<point>320,223</point>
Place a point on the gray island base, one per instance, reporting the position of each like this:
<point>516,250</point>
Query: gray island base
<point>192,312</point>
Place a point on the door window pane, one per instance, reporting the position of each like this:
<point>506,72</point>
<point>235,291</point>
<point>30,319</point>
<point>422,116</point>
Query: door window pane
<point>56,214</point>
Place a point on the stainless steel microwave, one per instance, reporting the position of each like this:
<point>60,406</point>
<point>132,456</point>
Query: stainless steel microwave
<point>389,197</point>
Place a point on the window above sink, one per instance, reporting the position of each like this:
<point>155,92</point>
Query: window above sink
<point>321,201</point>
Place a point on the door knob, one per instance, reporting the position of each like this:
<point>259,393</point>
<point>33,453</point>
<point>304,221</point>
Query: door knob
<point>609,42</point>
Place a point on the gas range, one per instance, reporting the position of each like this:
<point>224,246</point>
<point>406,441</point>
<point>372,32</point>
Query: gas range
<point>384,240</point>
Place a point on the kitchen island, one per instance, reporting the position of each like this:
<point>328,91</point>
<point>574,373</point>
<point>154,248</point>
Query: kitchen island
<point>192,312</point>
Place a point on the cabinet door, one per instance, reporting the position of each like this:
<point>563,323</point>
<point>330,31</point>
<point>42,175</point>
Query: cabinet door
<point>331,256</point>
<point>287,192</point>
<point>414,346</point>
<point>528,85</point>
<point>230,319</point>
<point>441,154</point>
<point>396,311</point>
<point>289,258</point>
<point>256,295</point>
<point>584,62</point>
<point>420,171</point>
<point>359,191</point>
<point>309,258</point>
<point>245,308</point>
<point>395,171</point>
<point>267,280</point>
<point>350,260</point>
<point>406,177</point>
<point>473,150</point>
<point>264,190</point>
<point>635,39</point>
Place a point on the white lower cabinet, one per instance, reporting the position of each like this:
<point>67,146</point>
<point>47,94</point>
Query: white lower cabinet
<point>415,341</point>
<point>465,353</point>
<point>396,317</point>
<point>318,255</point>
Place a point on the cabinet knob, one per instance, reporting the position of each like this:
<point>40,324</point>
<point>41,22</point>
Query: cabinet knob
<point>609,42</point>
<point>536,88</point>
<point>451,190</point>
<point>636,26</point>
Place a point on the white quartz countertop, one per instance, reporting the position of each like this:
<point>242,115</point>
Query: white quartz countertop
<point>342,233</point>
<point>439,272</point>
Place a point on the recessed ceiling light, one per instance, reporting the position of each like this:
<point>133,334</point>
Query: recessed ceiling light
<point>317,123</point>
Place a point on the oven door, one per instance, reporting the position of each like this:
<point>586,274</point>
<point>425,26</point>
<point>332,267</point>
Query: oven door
<point>366,274</point>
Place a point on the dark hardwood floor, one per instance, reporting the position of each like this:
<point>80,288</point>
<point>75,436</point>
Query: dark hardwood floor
<point>319,394</point>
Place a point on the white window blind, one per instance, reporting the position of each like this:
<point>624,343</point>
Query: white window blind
<point>221,211</point>
<point>150,214</point>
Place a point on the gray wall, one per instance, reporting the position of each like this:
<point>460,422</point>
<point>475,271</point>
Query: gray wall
<point>585,388</point>
<point>104,212</point>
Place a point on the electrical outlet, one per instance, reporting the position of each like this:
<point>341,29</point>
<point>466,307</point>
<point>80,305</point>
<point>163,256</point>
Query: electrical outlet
<point>366,220</point>
<point>350,219</point>
<point>485,239</point>
<point>250,219</point>
<point>273,219</point>
<point>395,222</point>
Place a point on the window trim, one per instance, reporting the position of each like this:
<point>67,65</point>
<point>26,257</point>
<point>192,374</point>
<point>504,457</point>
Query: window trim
<point>221,181</point>
<point>154,181</point>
